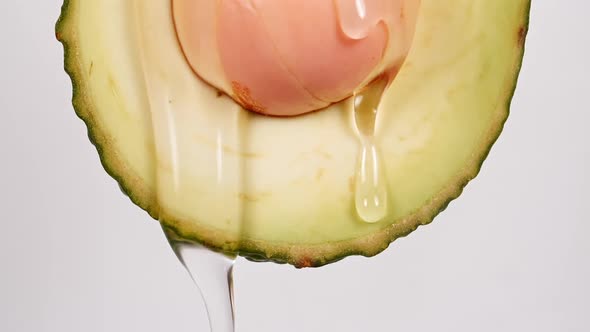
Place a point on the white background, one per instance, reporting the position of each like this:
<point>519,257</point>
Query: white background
<point>512,254</point>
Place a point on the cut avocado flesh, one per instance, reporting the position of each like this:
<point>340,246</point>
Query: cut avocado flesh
<point>282,190</point>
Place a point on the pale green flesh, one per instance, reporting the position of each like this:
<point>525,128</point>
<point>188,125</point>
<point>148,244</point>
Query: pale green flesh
<point>287,196</point>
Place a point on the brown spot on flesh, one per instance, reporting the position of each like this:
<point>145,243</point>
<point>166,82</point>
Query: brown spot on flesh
<point>228,149</point>
<point>351,184</point>
<point>253,198</point>
<point>323,154</point>
<point>304,262</point>
<point>522,31</point>
<point>243,96</point>
<point>320,174</point>
<point>247,197</point>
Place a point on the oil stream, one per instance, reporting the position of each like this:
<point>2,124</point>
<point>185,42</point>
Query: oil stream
<point>213,272</point>
<point>370,195</point>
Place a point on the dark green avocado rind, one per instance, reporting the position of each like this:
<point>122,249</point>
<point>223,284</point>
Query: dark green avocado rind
<point>297,255</point>
<point>85,110</point>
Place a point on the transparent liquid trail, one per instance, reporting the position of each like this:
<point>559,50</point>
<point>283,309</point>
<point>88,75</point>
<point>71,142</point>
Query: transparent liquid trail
<point>371,197</point>
<point>212,273</point>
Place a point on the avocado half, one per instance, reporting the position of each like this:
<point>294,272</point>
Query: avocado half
<point>281,190</point>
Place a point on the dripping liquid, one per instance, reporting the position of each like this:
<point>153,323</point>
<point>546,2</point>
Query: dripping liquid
<point>370,195</point>
<point>357,18</point>
<point>212,272</point>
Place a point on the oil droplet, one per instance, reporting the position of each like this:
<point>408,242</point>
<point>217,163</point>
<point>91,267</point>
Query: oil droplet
<point>371,185</point>
<point>358,17</point>
<point>212,272</point>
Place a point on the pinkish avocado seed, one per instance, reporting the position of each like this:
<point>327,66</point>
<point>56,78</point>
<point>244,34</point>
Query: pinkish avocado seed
<point>289,57</point>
